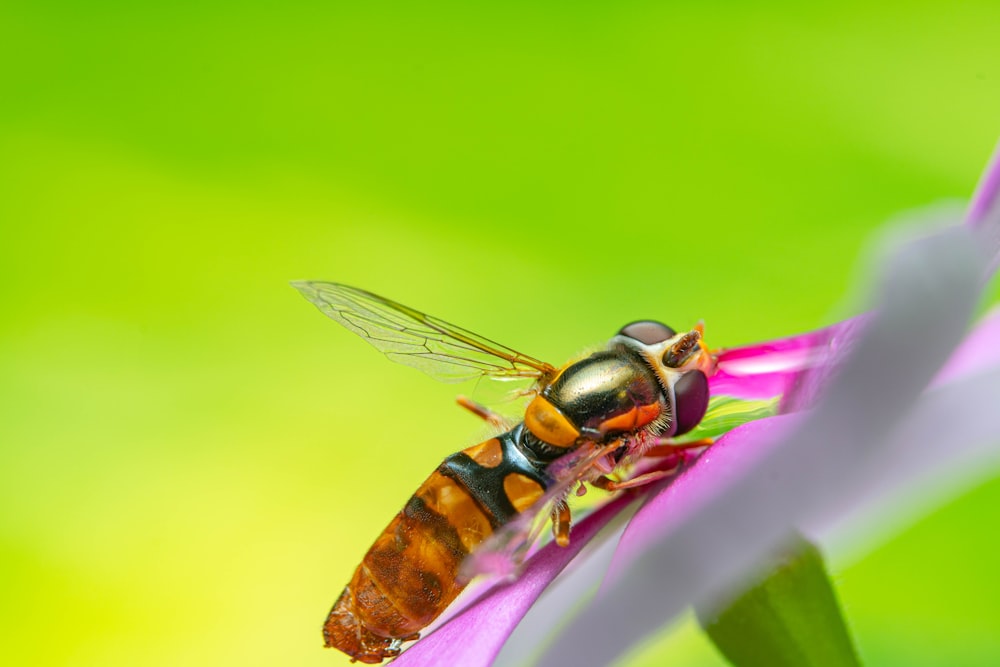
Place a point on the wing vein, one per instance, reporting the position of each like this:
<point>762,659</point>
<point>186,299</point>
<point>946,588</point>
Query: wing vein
<point>442,350</point>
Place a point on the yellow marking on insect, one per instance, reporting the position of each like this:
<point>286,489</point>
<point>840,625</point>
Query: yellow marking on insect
<point>521,490</point>
<point>632,420</point>
<point>452,501</point>
<point>548,424</point>
<point>488,454</point>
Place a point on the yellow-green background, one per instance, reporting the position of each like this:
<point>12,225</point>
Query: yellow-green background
<point>193,459</point>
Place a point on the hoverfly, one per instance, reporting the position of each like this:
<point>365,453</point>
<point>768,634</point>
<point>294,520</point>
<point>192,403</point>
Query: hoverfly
<point>584,420</point>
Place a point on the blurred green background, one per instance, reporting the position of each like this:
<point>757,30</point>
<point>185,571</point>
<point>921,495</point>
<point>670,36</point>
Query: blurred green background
<point>194,459</point>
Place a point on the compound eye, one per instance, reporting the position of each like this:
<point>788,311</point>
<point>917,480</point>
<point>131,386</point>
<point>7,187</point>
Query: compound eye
<point>647,332</point>
<point>690,401</point>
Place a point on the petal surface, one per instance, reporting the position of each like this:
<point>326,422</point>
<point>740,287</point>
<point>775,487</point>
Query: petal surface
<point>704,534</point>
<point>475,636</point>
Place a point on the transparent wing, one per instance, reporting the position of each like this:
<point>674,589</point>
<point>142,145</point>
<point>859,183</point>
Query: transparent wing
<point>443,351</point>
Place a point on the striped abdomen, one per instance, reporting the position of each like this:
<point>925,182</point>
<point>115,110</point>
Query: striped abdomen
<point>409,576</point>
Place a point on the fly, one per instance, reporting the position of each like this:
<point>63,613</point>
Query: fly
<point>585,419</point>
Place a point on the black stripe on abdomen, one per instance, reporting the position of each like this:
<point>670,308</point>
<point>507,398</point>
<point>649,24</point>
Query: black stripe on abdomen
<point>486,485</point>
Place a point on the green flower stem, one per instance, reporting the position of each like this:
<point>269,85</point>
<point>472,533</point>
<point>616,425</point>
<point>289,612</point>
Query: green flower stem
<point>791,618</point>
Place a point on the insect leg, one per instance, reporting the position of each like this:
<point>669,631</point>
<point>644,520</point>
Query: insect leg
<point>481,411</point>
<point>663,447</point>
<point>609,484</point>
<point>561,520</point>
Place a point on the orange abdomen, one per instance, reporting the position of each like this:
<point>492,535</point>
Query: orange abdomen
<point>409,576</point>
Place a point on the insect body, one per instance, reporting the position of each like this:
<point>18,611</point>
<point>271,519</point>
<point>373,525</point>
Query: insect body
<point>410,575</point>
<point>585,420</point>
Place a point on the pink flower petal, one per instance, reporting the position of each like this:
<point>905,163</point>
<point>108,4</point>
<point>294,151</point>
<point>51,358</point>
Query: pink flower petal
<point>795,367</point>
<point>725,462</point>
<point>474,637</point>
<point>766,370</point>
<point>693,542</point>
<point>980,350</point>
<point>987,192</point>
<point>913,472</point>
<point>771,369</point>
<point>984,212</point>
